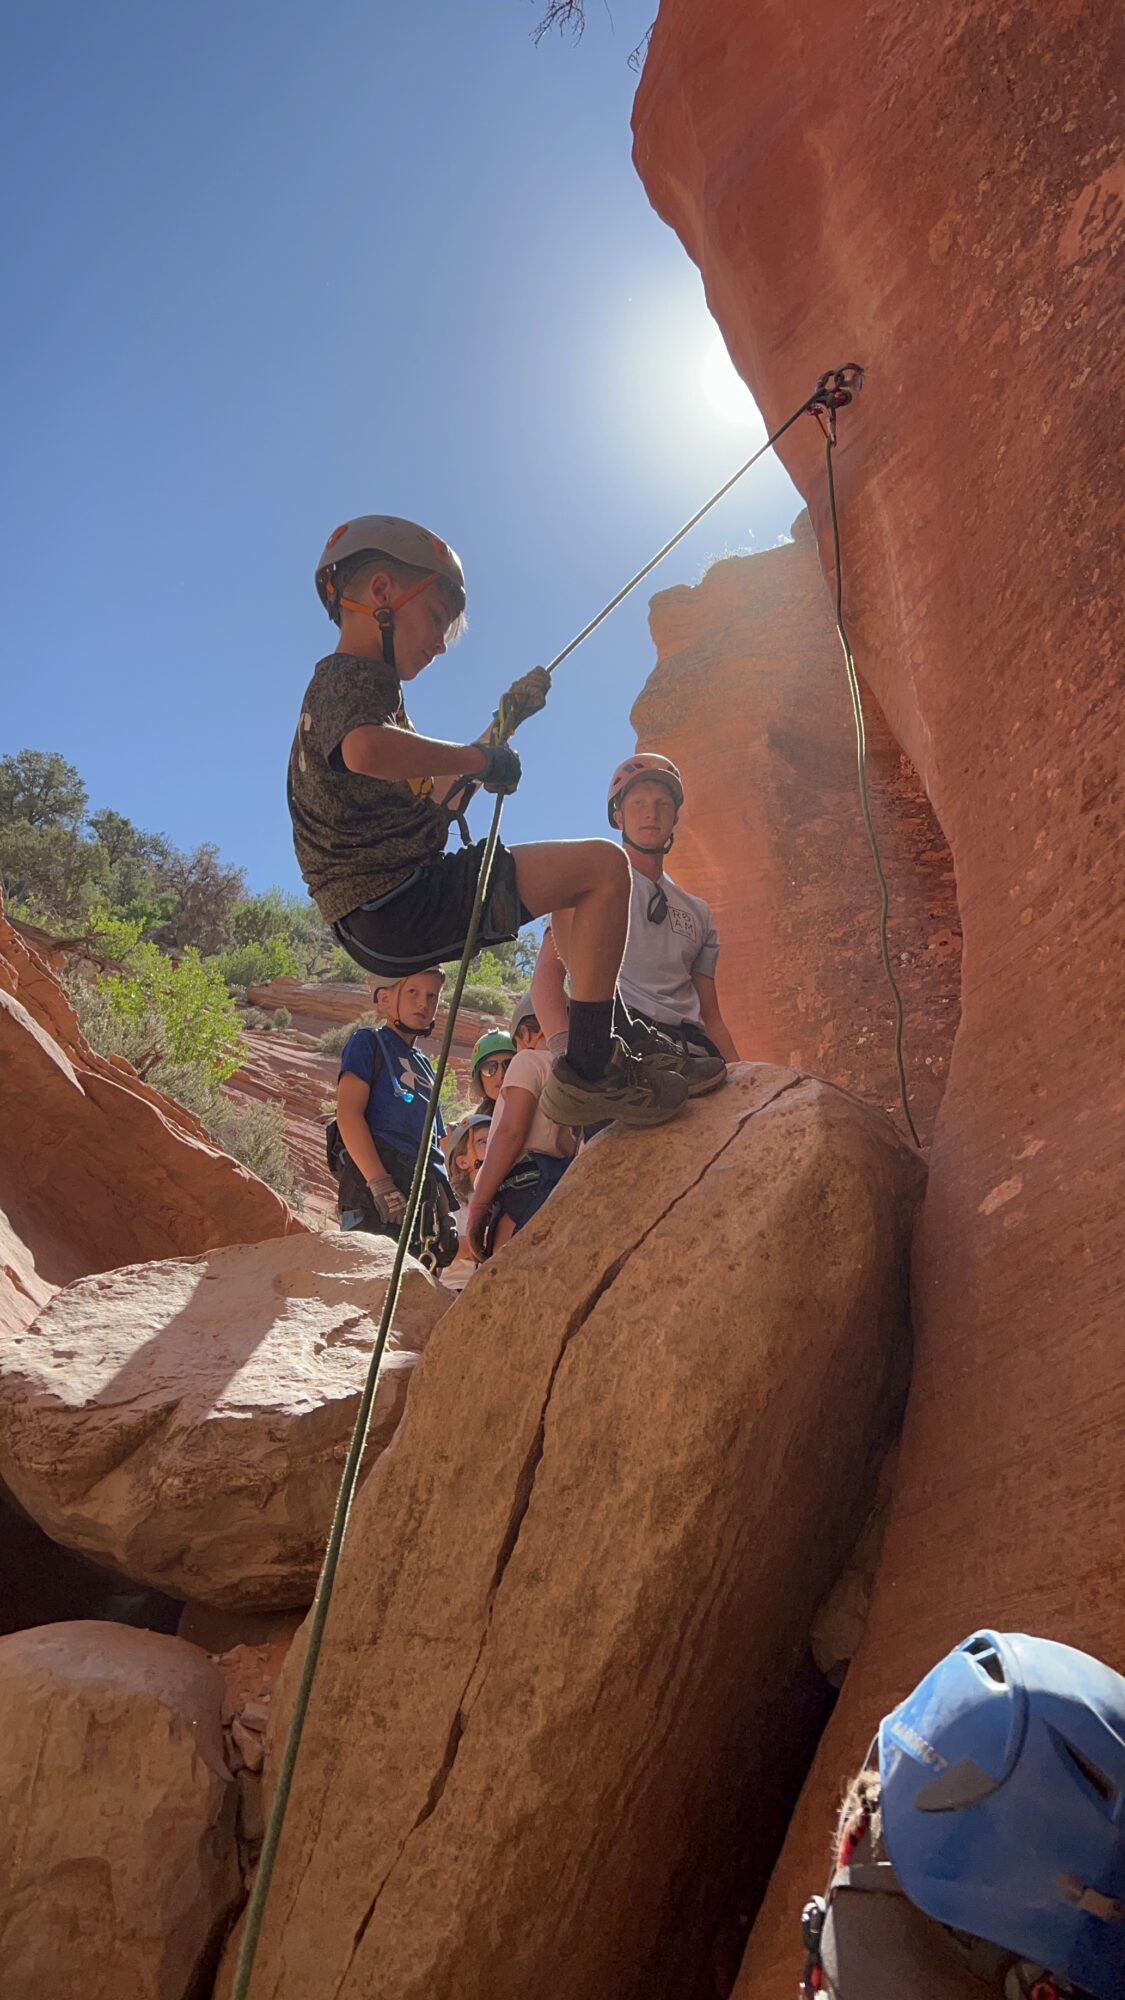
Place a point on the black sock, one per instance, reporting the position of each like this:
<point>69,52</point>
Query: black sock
<point>588,1037</point>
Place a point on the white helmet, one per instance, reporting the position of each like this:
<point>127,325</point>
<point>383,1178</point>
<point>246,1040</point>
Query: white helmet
<point>388,535</point>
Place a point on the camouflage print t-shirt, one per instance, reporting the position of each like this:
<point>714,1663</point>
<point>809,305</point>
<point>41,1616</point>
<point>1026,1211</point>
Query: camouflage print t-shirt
<point>356,837</point>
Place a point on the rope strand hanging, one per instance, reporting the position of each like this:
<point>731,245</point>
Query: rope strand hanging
<point>834,390</point>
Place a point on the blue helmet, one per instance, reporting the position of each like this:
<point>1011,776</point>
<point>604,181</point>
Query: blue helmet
<point>1003,1793</point>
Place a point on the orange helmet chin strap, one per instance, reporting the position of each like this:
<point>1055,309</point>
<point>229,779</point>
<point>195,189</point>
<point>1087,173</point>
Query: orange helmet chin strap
<point>384,614</point>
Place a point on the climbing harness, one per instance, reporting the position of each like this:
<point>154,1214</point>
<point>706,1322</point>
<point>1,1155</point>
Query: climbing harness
<point>834,390</point>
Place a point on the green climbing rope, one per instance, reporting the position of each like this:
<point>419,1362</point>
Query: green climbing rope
<point>861,764</point>
<point>255,1908</point>
<point>833,391</point>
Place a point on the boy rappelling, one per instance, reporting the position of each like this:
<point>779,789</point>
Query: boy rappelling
<point>370,833</point>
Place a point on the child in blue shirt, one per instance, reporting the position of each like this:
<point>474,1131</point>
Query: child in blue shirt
<point>382,1096</point>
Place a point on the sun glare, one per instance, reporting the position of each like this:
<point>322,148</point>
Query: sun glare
<point>725,389</point>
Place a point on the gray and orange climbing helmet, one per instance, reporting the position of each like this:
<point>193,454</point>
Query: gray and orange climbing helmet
<point>404,542</point>
<point>644,764</point>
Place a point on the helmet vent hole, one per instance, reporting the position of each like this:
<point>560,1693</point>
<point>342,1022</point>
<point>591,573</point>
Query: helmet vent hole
<point>1103,1786</point>
<point>985,1656</point>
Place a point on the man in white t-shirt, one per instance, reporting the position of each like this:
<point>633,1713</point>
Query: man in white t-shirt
<point>667,977</point>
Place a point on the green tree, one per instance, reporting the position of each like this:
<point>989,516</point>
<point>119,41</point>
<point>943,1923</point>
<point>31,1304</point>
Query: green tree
<point>133,858</point>
<point>255,964</point>
<point>39,788</point>
<point>204,892</point>
<point>184,1008</point>
<point>293,919</point>
<point>49,872</point>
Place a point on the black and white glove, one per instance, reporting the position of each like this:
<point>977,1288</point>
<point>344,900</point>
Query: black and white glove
<point>502,769</point>
<point>390,1205</point>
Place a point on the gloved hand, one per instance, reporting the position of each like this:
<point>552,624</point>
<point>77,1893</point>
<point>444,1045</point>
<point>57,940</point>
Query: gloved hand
<point>390,1205</point>
<point>478,1224</point>
<point>502,769</point>
<point>525,697</point>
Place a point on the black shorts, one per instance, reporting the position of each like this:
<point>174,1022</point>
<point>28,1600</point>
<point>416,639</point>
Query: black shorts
<point>425,921</point>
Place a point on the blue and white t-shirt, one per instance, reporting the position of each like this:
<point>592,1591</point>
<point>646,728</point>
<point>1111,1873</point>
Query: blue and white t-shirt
<point>656,977</point>
<point>400,1082</point>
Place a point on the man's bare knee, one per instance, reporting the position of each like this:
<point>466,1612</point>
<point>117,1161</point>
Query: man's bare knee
<point>609,864</point>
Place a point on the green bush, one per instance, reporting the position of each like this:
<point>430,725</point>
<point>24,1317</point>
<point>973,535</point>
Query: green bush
<point>181,1010</point>
<point>334,1040</point>
<point>282,1017</point>
<point>453,1100</point>
<point>342,968</point>
<point>490,1000</point>
<point>256,962</point>
<point>254,1133</point>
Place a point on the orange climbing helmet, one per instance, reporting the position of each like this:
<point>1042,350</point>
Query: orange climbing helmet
<point>645,764</point>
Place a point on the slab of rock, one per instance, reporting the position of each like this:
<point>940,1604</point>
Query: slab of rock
<point>187,1422</point>
<point>575,1594</point>
<point>97,1168</point>
<point>118,1865</point>
<point>936,193</point>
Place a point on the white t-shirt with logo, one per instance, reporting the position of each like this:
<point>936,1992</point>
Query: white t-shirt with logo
<point>656,977</point>
<point>529,1070</point>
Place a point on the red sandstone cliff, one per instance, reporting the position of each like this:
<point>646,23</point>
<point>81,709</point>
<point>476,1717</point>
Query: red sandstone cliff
<point>96,1168</point>
<point>749,697</point>
<point>933,192</point>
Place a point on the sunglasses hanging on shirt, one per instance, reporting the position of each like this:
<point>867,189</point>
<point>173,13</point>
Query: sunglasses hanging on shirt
<point>657,905</point>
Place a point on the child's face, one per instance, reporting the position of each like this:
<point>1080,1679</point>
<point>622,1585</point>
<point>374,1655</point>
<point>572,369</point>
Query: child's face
<point>648,815</point>
<point>529,1035</point>
<point>416,1002</point>
<point>491,1075</point>
<point>472,1153</point>
<point>421,625</point>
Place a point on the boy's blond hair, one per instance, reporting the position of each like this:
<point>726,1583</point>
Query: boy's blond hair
<point>376,984</point>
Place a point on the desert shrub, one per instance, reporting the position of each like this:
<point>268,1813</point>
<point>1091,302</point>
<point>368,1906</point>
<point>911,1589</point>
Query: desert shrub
<point>489,1000</point>
<point>256,962</point>
<point>164,1010</point>
<point>334,1040</point>
<point>282,1016</point>
<point>254,1133</point>
<point>340,967</point>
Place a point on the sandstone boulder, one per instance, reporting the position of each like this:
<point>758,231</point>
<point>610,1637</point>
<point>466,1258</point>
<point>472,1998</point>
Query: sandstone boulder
<point>186,1421</point>
<point>576,1594</point>
<point>97,1168</point>
<point>118,1867</point>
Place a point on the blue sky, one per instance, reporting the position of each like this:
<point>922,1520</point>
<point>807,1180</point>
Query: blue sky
<point>269,266</point>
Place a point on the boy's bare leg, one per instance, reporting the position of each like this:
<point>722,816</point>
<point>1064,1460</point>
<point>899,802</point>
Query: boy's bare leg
<point>586,884</point>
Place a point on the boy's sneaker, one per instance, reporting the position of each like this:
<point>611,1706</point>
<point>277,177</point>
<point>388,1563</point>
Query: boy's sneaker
<point>701,1073</point>
<point>631,1091</point>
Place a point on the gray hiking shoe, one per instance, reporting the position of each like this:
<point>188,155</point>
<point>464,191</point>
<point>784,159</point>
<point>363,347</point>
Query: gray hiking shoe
<point>701,1073</point>
<point>630,1091</point>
